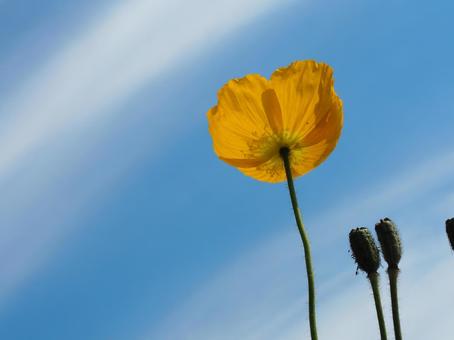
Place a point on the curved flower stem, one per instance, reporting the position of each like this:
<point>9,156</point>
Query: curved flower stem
<point>284,152</point>
<point>373,278</point>
<point>393,273</point>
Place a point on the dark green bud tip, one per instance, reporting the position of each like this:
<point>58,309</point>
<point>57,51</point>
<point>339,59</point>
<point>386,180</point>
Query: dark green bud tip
<point>390,244</point>
<point>450,231</point>
<point>364,250</point>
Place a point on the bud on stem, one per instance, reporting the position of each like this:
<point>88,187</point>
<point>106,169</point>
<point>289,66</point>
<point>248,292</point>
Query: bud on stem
<point>367,256</point>
<point>364,250</point>
<point>390,244</point>
<point>391,248</point>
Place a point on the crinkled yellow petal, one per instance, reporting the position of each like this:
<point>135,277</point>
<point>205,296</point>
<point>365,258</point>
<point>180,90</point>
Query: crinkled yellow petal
<point>239,124</point>
<point>271,171</point>
<point>327,128</point>
<point>306,94</point>
<point>309,157</point>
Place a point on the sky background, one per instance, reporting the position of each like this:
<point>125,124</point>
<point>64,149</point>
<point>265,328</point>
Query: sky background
<point>117,221</point>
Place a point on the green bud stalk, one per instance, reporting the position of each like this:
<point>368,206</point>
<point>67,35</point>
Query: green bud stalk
<point>367,256</point>
<point>391,248</point>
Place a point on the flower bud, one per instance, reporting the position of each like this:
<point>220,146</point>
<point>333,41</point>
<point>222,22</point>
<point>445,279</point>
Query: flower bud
<point>364,250</point>
<point>450,231</point>
<point>390,244</point>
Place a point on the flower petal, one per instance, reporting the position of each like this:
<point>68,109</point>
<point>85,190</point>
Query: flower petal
<point>243,163</point>
<point>328,128</point>
<point>309,157</point>
<point>306,94</point>
<point>271,171</point>
<point>238,122</point>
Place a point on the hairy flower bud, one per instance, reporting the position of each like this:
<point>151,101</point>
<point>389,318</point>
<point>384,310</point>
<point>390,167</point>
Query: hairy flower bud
<point>390,244</point>
<point>364,250</point>
<point>450,231</point>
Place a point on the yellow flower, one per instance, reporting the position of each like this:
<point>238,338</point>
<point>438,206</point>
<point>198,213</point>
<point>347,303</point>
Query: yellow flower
<point>256,117</point>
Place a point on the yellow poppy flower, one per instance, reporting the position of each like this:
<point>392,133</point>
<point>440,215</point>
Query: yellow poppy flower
<point>296,108</point>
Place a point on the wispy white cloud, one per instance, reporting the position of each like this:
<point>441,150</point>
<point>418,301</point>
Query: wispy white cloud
<point>118,53</point>
<point>261,295</point>
<point>44,121</point>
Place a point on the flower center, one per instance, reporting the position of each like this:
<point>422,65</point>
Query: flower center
<point>272,145</point>
<point>284,151</point>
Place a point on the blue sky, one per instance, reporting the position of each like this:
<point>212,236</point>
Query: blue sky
<point>118,222</point>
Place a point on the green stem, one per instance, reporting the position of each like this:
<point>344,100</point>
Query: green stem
<point>373,278</point>
<point>284,152</point>
<point>393,273</point>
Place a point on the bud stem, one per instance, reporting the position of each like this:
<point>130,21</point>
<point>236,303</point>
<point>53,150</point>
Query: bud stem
<point>307,249</point>
<point>373,278</point>
<point>393,273</point>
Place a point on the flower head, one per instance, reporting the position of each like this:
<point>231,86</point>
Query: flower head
<point>297,109</point>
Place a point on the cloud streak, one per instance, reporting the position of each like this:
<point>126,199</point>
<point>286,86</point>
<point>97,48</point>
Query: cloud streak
<point>44,121</point>
<point>134,42</point>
